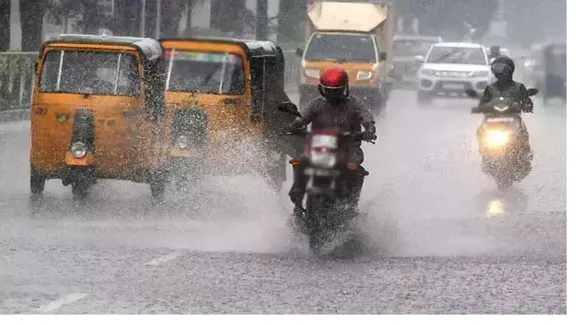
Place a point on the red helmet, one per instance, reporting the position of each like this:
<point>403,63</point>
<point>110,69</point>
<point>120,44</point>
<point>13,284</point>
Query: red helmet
<point>334,84</point>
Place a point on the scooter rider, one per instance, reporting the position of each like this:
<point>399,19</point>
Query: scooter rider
<point>335,108</point>
<point>503,68</point>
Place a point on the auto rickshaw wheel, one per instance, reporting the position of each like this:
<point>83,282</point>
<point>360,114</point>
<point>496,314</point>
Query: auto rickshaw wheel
<point>80,189</point>
<point>37,182</point>
<point>157,189</point>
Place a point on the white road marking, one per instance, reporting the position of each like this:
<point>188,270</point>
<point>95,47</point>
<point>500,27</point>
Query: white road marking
<point>163,259</point>
<point>68,299</point>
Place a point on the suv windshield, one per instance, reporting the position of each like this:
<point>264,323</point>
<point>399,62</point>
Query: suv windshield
<point>457,55</point>
<point>408,47</point>
<point>205,72</point>
<point>92,72</point>
<point>333,47</point>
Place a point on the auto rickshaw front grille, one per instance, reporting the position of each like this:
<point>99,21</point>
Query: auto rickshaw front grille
<point>192,123</point>
<point>83,129</point>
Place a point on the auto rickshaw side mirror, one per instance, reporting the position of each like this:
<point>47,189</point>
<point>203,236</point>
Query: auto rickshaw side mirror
<point>288,107</point>
<point>299,52</point>
<point>383,56</point>
<point>532,91</point>
<point>471,93</point>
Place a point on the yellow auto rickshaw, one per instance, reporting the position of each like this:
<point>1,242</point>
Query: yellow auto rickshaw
<point>220,93</point>
<point>98,113</point>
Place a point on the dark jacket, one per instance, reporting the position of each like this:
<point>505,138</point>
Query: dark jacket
<point>348,115</point>
<point>509,89</point>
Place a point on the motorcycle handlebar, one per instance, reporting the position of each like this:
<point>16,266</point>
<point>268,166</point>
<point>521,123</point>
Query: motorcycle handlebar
<point>357,136</point>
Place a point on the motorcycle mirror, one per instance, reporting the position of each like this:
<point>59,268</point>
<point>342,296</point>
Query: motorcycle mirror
<point>471,93</point>
<point>532,92</point>
<point>288,107</point>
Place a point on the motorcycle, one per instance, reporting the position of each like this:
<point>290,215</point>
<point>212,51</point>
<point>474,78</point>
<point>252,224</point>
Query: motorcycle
<point>329,204</point>
<point>499,141</point>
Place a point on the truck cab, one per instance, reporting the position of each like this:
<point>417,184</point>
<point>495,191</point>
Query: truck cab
<point>360,44</point>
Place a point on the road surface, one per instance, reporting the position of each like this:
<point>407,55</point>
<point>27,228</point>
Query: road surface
<point>437,239</point>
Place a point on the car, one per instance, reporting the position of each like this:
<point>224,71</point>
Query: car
<point>451,68</point>
<point>405,48</point>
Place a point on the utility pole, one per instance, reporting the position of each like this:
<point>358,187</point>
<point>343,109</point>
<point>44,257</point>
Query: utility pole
<point>158,20</point>
<point>262,20</point>
<point>142,18</point>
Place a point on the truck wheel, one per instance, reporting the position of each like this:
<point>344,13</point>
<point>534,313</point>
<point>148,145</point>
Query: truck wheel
<point>157,189</point>
<point>37,182</point>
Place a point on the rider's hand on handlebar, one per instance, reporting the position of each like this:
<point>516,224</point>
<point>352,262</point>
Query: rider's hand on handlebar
<point>368,136</point>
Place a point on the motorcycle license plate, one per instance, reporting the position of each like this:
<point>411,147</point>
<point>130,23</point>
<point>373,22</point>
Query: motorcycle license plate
<point>320,172</point>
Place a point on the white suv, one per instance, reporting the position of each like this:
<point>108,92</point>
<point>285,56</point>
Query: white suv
<point>450,68</point>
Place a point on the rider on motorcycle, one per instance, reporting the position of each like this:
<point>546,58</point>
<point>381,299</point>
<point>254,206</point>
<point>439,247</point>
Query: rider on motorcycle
<point>503,68</point>
<point>335,108</point>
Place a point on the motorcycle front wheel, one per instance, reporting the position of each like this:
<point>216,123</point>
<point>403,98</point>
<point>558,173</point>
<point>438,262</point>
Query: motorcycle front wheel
<point>316,209</point>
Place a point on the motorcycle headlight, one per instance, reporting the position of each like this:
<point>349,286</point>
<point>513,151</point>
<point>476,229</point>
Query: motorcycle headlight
<point>312,73</point>
<point>497,138</point>
<point>78,150</point>
<point>324,159</point>
<point>182,142</point>
<point>364,75</point>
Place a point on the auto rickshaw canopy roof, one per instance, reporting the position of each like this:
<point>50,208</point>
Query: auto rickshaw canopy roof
<point>252,48</point>
<point>148,47</point>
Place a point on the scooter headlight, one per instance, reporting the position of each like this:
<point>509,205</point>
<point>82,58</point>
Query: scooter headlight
<point>497,138</point>
<point>78,150</point>
<point>182,142</point>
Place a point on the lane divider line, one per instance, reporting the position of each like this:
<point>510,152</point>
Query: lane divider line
<point>62,301</point>
<point>163,259</point>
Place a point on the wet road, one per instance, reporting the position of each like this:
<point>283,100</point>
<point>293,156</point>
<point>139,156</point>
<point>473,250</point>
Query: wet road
<point>434,246</point>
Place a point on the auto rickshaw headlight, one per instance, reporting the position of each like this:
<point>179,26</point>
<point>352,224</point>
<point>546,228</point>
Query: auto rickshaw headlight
<point>78,150</point>
<point>181,142</point>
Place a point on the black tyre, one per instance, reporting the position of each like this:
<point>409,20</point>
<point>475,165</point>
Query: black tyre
<point>503,185</point>
<point>80,189</point>
<point>423,98</point>
<point>157,189</point>
<point>315,210</point>
<point>37,182</point>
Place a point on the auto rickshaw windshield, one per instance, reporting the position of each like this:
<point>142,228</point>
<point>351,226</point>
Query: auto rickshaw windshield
<point>205,72</point>
<point>92,72</point>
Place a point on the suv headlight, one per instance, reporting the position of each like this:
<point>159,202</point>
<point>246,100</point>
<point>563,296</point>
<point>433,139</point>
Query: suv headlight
<point>78,150</point>
<point>364,75</point>
<point>181,142</point>
<point>312,73</point>
<point>427,72</point>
